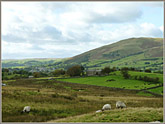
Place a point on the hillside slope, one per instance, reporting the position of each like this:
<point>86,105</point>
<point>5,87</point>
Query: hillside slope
<point>141,53</point>
<point>135,52</point>
<point>151,47</point>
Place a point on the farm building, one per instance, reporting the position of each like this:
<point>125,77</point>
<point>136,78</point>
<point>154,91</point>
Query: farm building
<point>93,72</point>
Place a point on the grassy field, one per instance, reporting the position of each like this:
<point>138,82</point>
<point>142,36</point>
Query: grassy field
<point>54,100</point>
<point>119,81</point>
<point>126,115</point>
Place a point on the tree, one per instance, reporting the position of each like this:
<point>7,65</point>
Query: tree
<point>75,70</point>
<point>140,77</point>
<point>113,69</point>
<point>82,70</point>
<point>148,70</point>
<point>106,70</point>
<point>156,80</point>
<point>136,77</point>
<point>132,69</point>
<point>124,72</point>
<point>36,74</point>
<point>58,72</point>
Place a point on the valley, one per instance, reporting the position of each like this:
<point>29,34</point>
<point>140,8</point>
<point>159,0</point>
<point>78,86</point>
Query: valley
<point>73,89</point>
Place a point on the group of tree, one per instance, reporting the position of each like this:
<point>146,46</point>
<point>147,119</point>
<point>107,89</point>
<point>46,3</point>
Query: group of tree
<point>148,79</point>
<point>72,70</point>
<point>59,72</point>
<point>124,72</point>
<point>8,74</point>
<point>148,70</point>
<point>107,70</point>
<point>77,70</point>
<point>39,74</point>
<point>137,69</point>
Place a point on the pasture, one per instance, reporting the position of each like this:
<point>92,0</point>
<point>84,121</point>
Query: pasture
<point>120,82</point>
<point>51,100</point>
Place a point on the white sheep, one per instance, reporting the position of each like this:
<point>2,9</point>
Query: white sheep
<point>3,84</point>
<point>26,109</point>
<point>106,107</point>
<point>98,111</point>
<point>120,104</point>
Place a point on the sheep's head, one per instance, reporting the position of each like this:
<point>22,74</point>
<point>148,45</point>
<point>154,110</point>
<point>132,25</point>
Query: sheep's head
<point>23,111</point>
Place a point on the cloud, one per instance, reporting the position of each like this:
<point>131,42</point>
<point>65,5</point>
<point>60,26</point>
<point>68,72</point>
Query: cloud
<point>161,28</point>
<point>152,4</point>
<point>48,34</point>
<point>151,30</point>
<point>63,29</point>
<point>12,38</point>
<point>95,39</point>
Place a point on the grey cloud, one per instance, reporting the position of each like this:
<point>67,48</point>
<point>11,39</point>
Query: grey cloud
<point>52,32</point>
<point>36,47</point>
<point>21,56</point>
<point>155,33</point>
<point>119,16</point>
<point>46,32</point>
<point>13,38</point>
<point>43,54</point>
<point>56,6</point>
<point>124,13</point>
<point>83,36</point>
<point>152,4</point>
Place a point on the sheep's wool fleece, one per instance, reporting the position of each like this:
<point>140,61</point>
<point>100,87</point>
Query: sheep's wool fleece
<point>120,104</point>
<point>98,111</point>
<point>106,107</point>
<point>26,109</point>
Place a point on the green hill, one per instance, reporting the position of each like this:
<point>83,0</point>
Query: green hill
<point>133,52</point>
<point>22,63</point>
<point>141,53</point>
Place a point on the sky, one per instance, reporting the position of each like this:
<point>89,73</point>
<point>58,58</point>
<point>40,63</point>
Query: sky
<point>66,29</point>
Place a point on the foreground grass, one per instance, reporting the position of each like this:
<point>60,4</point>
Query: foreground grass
<point>118,115</point>
<point>52,100</point>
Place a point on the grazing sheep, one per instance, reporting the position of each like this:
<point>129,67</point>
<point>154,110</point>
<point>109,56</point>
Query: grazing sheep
<point>26,109</point>
<point>120,104</point>
<point>98,111</point>
<point>3,84</point>
<point>106,107</point>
